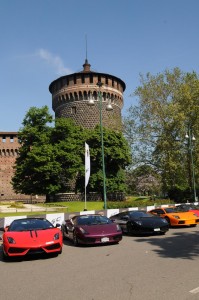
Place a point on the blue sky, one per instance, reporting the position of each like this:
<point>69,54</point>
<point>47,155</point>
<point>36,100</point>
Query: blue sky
<point>42,40</point>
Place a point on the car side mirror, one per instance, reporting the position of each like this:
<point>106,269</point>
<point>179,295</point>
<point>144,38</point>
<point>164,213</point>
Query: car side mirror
<point>6,228</point>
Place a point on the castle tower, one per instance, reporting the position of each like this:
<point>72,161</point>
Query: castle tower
<point>71,95</point>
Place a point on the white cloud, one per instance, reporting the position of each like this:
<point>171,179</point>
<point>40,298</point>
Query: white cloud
<point>54,61</point>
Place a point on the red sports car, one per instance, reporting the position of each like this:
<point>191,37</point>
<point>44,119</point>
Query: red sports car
<point>91,229</point>
<point>31,236</point>
<point>189,207</point>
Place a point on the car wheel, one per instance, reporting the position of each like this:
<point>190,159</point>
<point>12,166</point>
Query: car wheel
<point>63,233</point>
<point>193,225</point>
<point>5,257</point>
<point>129,228</point>
<point>168,220</point>
<point>75,239</point>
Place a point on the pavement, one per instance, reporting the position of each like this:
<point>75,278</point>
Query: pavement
<point>26,208</point>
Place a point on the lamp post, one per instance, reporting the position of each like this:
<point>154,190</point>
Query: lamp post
<point>191,138</point>
<point>108,107</point>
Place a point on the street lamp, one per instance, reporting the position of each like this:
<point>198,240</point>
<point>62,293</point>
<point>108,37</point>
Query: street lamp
<point>91,102</point>
<point>189,135</point>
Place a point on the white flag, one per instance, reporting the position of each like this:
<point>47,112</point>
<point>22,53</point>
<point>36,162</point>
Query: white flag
<point>87,164</point>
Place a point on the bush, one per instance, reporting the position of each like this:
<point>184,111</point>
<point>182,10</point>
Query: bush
<point>138,203</point>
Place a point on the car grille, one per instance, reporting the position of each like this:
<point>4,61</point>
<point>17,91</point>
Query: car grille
<point>16,250</point>
<point>53,247</point>
<point>36,251</point>
<point>117,237</point>
<point>181,222</point>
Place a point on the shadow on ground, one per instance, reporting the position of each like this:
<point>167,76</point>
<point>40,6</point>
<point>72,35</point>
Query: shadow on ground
<point>180,244</point>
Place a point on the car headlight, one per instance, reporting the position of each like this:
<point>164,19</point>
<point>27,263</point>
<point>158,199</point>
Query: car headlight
<point>11,240</point>
<point>176,217</point>
<point>164,221</point>
<point>56,236</point>
<point>118,227</point>
<point>138,223</point>
<point>83,230</point>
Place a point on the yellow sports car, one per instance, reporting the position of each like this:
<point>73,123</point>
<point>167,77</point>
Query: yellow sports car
<point>175,217</point>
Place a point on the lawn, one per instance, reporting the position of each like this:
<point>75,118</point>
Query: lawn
<point>77,206</point>
<point>59,207</point>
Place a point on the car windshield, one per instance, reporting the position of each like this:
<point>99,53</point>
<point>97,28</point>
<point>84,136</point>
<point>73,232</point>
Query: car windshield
<point>93,220</point>
<point>188,207</point>
<point>173,210</point>
<point>30,224</point>
<point>140,214</point>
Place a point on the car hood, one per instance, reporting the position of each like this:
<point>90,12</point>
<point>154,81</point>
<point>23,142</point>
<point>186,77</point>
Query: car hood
<point>184,215</point>
<point>153,221</point>
<point>100,229</point>
<point>32,237</point>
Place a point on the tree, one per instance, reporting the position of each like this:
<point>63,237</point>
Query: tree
<point>167,104</point>
<point>68,140</point>
<point>143,180</point>
<point>117,156</point>
<point>51,159</point>
<point>36,168</point>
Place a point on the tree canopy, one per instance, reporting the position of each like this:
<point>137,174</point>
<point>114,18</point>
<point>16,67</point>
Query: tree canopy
<point>51,158</point>
<point>167,107</point>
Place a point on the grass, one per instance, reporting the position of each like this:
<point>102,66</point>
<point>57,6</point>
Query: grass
<point>77,206</point>
<point>59,207</point>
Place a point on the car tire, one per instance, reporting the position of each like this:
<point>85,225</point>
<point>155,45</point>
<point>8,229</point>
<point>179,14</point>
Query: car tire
<point>4,256</point>
<point>63,233</point>
<point>128,228</point>
<point>162,233</point>
<point>75,239</point>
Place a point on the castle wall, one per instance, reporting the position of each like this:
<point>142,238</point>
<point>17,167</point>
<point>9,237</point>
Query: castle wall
<point>9,146</point>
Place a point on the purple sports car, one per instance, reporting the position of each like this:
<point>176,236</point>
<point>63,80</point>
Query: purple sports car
<point>91,229</point>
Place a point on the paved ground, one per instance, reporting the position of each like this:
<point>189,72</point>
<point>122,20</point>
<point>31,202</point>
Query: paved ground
<point>152,268</point>
<point>27,208</point>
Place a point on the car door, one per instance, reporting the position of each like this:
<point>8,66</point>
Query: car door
<point>70,227</point>
<point>122,220</point>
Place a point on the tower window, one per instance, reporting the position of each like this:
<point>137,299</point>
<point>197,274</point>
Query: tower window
<point>91,78</point>
<point>73,110</point>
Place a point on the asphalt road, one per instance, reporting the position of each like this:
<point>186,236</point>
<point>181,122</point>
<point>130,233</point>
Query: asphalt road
<point>152,268</point>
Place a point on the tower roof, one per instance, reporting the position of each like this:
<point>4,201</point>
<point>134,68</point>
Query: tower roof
<point>86,66</point>
<point>87,70</point>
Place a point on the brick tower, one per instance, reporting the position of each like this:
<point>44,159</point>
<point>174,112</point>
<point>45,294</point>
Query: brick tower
<point>9,146</point>
<point>71,95</point>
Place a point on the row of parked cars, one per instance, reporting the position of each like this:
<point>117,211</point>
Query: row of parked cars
<point>38,235</point>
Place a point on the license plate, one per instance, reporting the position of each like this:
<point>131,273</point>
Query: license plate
<point>104,239</point>
<point>156,229</point>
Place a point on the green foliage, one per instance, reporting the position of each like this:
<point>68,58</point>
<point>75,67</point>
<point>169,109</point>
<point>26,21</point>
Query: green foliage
<point>138,203</point>
<point>168,104</point>
<point>36,168</point>
<point>52,159</point>
<point>116,155</point>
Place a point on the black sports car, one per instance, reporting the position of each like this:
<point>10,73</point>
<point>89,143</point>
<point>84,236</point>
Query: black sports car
<point>140,222</point>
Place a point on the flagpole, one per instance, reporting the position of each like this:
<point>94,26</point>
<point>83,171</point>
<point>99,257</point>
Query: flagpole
<point>85,200</point>
<point>87,171</point>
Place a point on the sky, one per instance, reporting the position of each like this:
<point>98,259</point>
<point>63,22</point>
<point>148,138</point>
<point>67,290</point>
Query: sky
<point>42,40</point>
